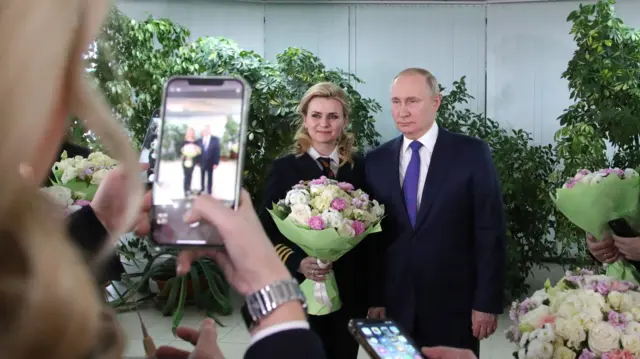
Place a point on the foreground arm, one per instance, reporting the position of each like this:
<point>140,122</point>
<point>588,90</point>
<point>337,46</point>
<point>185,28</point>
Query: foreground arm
<point>490,235</point>
<point>290,254</point>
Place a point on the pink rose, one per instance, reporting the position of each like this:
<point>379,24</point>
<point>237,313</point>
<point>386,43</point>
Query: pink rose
<point>358,227</point>
<point>346,186</point>
<point>316,223</point>
<point>618,286</point>
<point>618,354</point>
<point>547,319</point>
<point>339,204</point>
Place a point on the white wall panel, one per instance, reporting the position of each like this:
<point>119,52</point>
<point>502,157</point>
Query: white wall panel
<point>528,49</point>
<point>321,29</point>
<point>447,40</point>
<point>240,22</point>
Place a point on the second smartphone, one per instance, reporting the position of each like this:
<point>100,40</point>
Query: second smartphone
<point>199,151</point>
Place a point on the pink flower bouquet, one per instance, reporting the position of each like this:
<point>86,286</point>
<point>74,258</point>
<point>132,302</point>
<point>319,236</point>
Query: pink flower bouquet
<point>585,316</point>
<point>591,199</point>
<point>326,218</point>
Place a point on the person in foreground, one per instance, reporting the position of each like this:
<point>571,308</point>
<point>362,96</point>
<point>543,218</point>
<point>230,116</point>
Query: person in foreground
<point>323,147</point>
<point>442,256</point>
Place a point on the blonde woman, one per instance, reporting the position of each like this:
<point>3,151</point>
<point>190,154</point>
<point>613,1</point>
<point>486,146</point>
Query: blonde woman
<point>323,146</point>
<point>189,151</point>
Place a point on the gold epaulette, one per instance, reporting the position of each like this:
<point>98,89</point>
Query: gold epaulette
<point>283,252</point>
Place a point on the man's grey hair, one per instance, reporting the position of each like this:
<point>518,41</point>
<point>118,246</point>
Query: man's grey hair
<point>432,82</point>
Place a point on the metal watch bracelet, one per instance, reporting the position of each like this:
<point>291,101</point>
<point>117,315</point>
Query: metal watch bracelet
<point>263,302</point>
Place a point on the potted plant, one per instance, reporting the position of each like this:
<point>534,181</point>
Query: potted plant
<point>204,286</point>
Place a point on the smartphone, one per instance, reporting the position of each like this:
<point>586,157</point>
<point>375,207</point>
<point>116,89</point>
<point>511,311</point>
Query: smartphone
<point>200,151</point>
<point>148,149</point>
<point>384,339</point>
<point>622,228</point>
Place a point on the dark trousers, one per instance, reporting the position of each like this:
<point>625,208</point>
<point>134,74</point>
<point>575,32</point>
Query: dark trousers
<point>334,332</point>
<point>188,176</point>
<point>206,172</point>
<point>424,337</point>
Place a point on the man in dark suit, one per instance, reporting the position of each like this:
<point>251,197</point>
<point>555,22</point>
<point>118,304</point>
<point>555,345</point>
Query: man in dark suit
<point>442,257</point>
<point>209,158</point>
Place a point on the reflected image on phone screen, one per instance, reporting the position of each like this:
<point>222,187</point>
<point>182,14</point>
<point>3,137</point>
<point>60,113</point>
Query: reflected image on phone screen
<point>198,155</point>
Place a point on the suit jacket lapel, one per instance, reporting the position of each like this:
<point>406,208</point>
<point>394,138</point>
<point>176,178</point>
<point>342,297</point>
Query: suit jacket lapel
<point>435,176</point>
<point>398,195</point>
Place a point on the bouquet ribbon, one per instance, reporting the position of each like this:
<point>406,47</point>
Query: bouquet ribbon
<point>320,292</point>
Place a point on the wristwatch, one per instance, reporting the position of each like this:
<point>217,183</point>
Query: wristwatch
<point>263,302</point>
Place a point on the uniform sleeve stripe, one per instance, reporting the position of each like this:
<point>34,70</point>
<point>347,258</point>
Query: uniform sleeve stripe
<point>286,256</point>
<point>282,250</point>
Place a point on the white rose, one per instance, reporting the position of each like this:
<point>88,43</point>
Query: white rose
<point>332,218</point>
<point>628,173</point>
<point>586,178</point>
<point>597,178</point>
<point>589,316</point>
<point>615,300</point>
<point>316,189</point>
<point>539,296</point>
<point>62,196</point>
<point>346,230</point>
<point>69,174</point>
<point>632,328</point>
<point>377,209</point>
<point>535,316</point>
<point>539,350</point>
<point>524,339</point>
<point>522,354</point>
<point>297,196</point>
<point>300,214</point>
<point>631,342</point>
<point>571,331</point>
<point>563,352</point>
<point>546,334</point>
<point>603,337</point>
<point>98,176</point>
<point>592,299</point>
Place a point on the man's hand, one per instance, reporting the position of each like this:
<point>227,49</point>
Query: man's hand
<point>628,247</point>
<point>110,201</point>
<point>448,353</point>
<point>483,324</point>
<point>604,251</point>
<point>377,313</point>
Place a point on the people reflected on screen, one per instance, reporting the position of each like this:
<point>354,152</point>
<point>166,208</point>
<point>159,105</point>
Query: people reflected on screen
<point>190,151</point>
<point>209,159</point>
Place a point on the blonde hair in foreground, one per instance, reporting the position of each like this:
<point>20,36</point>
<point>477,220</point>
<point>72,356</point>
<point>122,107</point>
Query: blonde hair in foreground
<point>49,305</point>
<point>302,140</point>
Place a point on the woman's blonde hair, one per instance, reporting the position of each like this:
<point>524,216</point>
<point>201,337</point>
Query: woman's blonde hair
<point>345,142</point>
<point>49,305</point>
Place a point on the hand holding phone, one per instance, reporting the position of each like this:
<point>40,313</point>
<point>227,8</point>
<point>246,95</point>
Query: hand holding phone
<point>383,338</point>
<point>622,228</point>
<point>199,151</point>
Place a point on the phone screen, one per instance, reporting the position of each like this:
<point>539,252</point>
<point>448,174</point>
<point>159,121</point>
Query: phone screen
<point>383,339</point>
<point>199,153</point>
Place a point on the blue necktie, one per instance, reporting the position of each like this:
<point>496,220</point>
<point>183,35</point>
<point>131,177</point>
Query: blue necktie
<point>410,185</point>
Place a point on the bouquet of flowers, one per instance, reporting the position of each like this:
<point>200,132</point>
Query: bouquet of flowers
<point>190,151</point>
<point>64,197</point>
<point>584,316</point>
<point>82,175</point>
<point>591,199</point>
<point>326,218</point>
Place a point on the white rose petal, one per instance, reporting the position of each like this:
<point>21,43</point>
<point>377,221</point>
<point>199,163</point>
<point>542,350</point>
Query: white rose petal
<point>631,342</point>
<point>62,196</point>
<point>346,230</point>
<point>98,176</point>
<point>603,337</point>
<point>632,328</point>
<point>572,331</point>
<point>69,174</point>
<point>297,197</point>
<point>300,214</point>
<point>332,218</point>
<point>539,350</point>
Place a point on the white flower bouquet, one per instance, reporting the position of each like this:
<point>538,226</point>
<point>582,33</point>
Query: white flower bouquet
<point>585,316</point>
<point>326,218</point>
<point>591,199</point>
<point>82,175</point>
<point>189,152</point>
<point>65,198</point>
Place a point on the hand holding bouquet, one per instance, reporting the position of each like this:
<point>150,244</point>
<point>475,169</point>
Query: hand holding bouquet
<point>584,316</point>
<point>326,218</point>
<point>82,175</point>
<point>189,152</point>
<point>591,199</point>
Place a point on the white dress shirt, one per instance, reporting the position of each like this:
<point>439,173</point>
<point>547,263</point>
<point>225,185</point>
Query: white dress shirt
<point>205,142</point>
<point>335,158</point>
<point>428,141</point>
